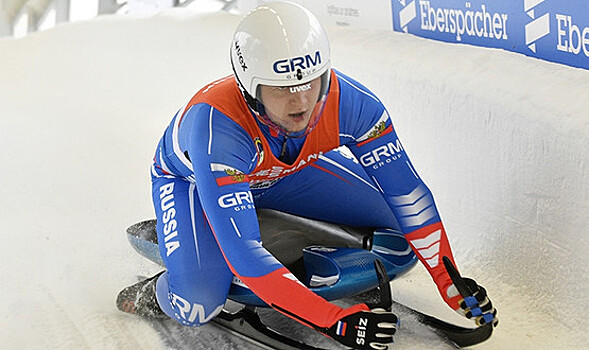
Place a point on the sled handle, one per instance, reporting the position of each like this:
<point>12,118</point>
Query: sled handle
<point>384,287</point>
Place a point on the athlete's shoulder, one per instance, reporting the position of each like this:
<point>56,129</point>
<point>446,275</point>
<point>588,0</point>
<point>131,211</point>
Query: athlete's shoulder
<point>356,100</point>
<point>222,94</point>
<point>359,111</point>
<point>216,109</point>
<point>352,90</point>
<point>207,129</point>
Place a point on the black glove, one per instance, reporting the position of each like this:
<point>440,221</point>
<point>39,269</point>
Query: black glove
<point>475,303</point>
<point>365,329</point>
<point>478,305</point>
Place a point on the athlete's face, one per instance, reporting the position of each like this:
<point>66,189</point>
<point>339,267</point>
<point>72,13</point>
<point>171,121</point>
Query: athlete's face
<point>291,107</point>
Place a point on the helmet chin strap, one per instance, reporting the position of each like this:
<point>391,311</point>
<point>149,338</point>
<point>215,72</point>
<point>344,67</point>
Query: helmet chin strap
<point>276,128</point>
<point>316,114</point>
<point>262,116</point>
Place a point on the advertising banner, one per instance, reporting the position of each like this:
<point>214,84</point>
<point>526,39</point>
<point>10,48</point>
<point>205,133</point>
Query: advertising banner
<point>554,30</point>
<point>369,14</point>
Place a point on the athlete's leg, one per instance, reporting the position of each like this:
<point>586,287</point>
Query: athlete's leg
<point>334,189</point>
<point>194,288</point>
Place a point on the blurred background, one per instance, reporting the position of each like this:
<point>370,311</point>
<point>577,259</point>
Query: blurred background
<point>21,17</point>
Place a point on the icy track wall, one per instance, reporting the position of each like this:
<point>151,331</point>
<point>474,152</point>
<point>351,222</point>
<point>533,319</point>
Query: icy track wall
<point>502,142</point>
<point>500,139</point>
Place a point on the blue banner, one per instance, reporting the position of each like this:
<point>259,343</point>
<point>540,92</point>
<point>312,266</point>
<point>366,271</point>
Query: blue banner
<point>554,30</point>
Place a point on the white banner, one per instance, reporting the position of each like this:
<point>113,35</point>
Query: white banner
<point>148,6</point>
<point>369,14</point>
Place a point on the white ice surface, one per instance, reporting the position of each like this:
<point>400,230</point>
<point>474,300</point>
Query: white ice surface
<point>500,139</point>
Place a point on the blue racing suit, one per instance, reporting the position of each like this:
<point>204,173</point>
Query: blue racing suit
<point>216,163</point>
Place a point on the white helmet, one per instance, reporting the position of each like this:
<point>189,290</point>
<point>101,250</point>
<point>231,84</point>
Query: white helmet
<point>279,44</point>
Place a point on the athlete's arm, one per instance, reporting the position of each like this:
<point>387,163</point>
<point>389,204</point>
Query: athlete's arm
<point>367,130</point>
<point>384,158</point>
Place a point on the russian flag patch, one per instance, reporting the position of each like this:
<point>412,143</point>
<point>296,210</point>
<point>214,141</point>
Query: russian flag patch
<point>226,175</point>
<point>341,328</point>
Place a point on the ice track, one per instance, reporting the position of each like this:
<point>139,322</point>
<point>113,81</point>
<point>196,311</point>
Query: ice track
<point>499,138</point>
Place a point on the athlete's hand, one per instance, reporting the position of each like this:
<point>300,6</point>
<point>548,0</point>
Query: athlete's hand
<point>475,304</point>
<point>478,306</point>
<point>372,329</point>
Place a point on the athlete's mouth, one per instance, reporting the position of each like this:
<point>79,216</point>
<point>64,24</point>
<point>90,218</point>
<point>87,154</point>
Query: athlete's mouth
<point>297,116</point>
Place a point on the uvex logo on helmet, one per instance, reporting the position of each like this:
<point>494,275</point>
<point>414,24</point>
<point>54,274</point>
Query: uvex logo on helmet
<point>240,56</point>
<point>301,62</point>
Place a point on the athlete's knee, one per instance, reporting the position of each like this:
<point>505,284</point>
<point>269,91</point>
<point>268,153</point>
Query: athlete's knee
<point>188,311</point>
<point>193,313</point>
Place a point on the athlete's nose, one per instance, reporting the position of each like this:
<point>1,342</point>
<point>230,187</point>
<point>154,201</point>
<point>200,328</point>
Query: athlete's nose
<point>299,98</point>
